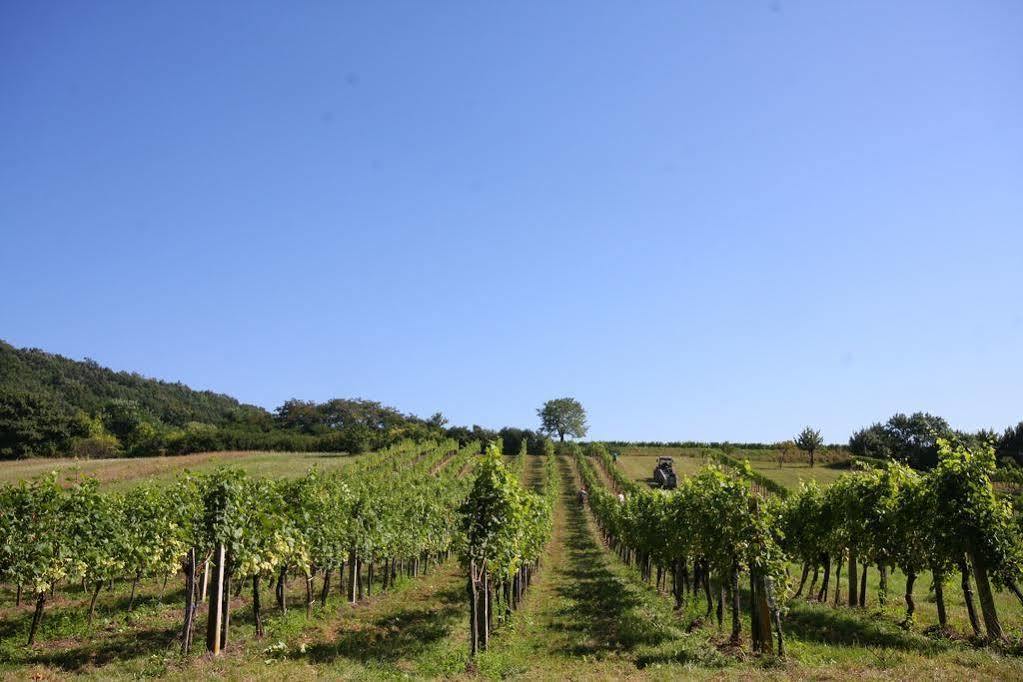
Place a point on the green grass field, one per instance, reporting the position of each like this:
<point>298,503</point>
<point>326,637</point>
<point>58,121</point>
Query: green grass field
<point>638,463</point>
<point>122,472</point>
<point>641,467</point>
<point>791,473</point>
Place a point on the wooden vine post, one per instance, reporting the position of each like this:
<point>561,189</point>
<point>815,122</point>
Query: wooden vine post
<point>216,621</point>
<point>190,605</point>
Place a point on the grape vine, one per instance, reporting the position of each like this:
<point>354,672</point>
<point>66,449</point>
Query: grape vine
<point>719,525</point>
<point>504,530</point>
<point>379,517</point>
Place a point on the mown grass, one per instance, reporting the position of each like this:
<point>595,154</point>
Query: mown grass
<point>385,636</point>
<point>124,472</point>
<point>641,467</point>
<point>638,463</point>
<point>789,474</point>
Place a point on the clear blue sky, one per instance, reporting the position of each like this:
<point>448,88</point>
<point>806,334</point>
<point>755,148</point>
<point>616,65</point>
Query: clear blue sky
<point>704,220</point>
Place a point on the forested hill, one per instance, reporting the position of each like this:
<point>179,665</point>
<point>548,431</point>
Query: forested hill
<point>53,406</point>
<point>87,386</point>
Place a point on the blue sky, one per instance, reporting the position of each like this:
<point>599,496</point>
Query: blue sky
<point>703,220</point>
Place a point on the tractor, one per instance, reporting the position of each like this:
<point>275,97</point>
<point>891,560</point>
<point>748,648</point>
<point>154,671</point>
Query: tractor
<point>664,474</point>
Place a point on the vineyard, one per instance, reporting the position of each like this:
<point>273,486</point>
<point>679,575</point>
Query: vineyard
<point>431,560</point>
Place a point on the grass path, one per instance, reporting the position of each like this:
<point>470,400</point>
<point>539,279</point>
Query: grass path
<point>585,618</point>
<point>592,618</point>
<point>602,474</point>
<point>414,631</point>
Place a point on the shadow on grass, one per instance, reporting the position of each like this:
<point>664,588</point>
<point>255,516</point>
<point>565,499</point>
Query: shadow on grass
<point>66,619</point>
<point>703,654</point>
<point>332,455</point>
<point>535,473</point>
<point>15,624</point>
<point>603,610</point>
<point>399,634</point>
<point>121,647</point>
<point>845,627</point>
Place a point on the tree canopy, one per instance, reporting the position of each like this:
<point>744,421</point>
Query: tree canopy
<point>909,439</point>
<point>809,441</point>
<point>1010,444</point>
<point>563,417</point>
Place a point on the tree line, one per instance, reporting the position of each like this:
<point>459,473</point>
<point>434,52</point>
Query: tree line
<point>913,440</point>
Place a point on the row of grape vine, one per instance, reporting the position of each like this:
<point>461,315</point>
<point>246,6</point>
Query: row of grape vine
<point>386,514</point>
<point>505,528</point>
<point>717,527</point>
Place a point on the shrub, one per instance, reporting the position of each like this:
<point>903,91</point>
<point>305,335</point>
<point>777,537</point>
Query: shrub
<point>100,446</point>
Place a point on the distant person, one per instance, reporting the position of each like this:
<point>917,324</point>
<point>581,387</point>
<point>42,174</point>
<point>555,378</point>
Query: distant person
<point>621,498</point>
<point>583,496</point>
<point>614,457</point>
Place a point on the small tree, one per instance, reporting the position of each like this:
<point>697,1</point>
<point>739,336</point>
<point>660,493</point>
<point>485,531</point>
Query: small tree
<point>564,417</point>
<point>809,441</point>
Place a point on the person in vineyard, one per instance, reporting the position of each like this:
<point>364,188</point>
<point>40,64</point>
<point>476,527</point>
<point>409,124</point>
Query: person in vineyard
<point>583,496</point>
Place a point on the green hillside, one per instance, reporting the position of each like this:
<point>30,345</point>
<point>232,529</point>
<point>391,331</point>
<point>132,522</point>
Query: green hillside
<point>87,386</point>
<point>53,406</point>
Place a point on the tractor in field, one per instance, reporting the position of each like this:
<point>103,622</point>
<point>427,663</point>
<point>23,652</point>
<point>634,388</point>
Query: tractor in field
<point>664,474</point>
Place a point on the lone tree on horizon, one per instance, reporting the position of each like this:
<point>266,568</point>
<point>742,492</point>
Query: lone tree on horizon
<point>809,441</point>
<point>563,416</point>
